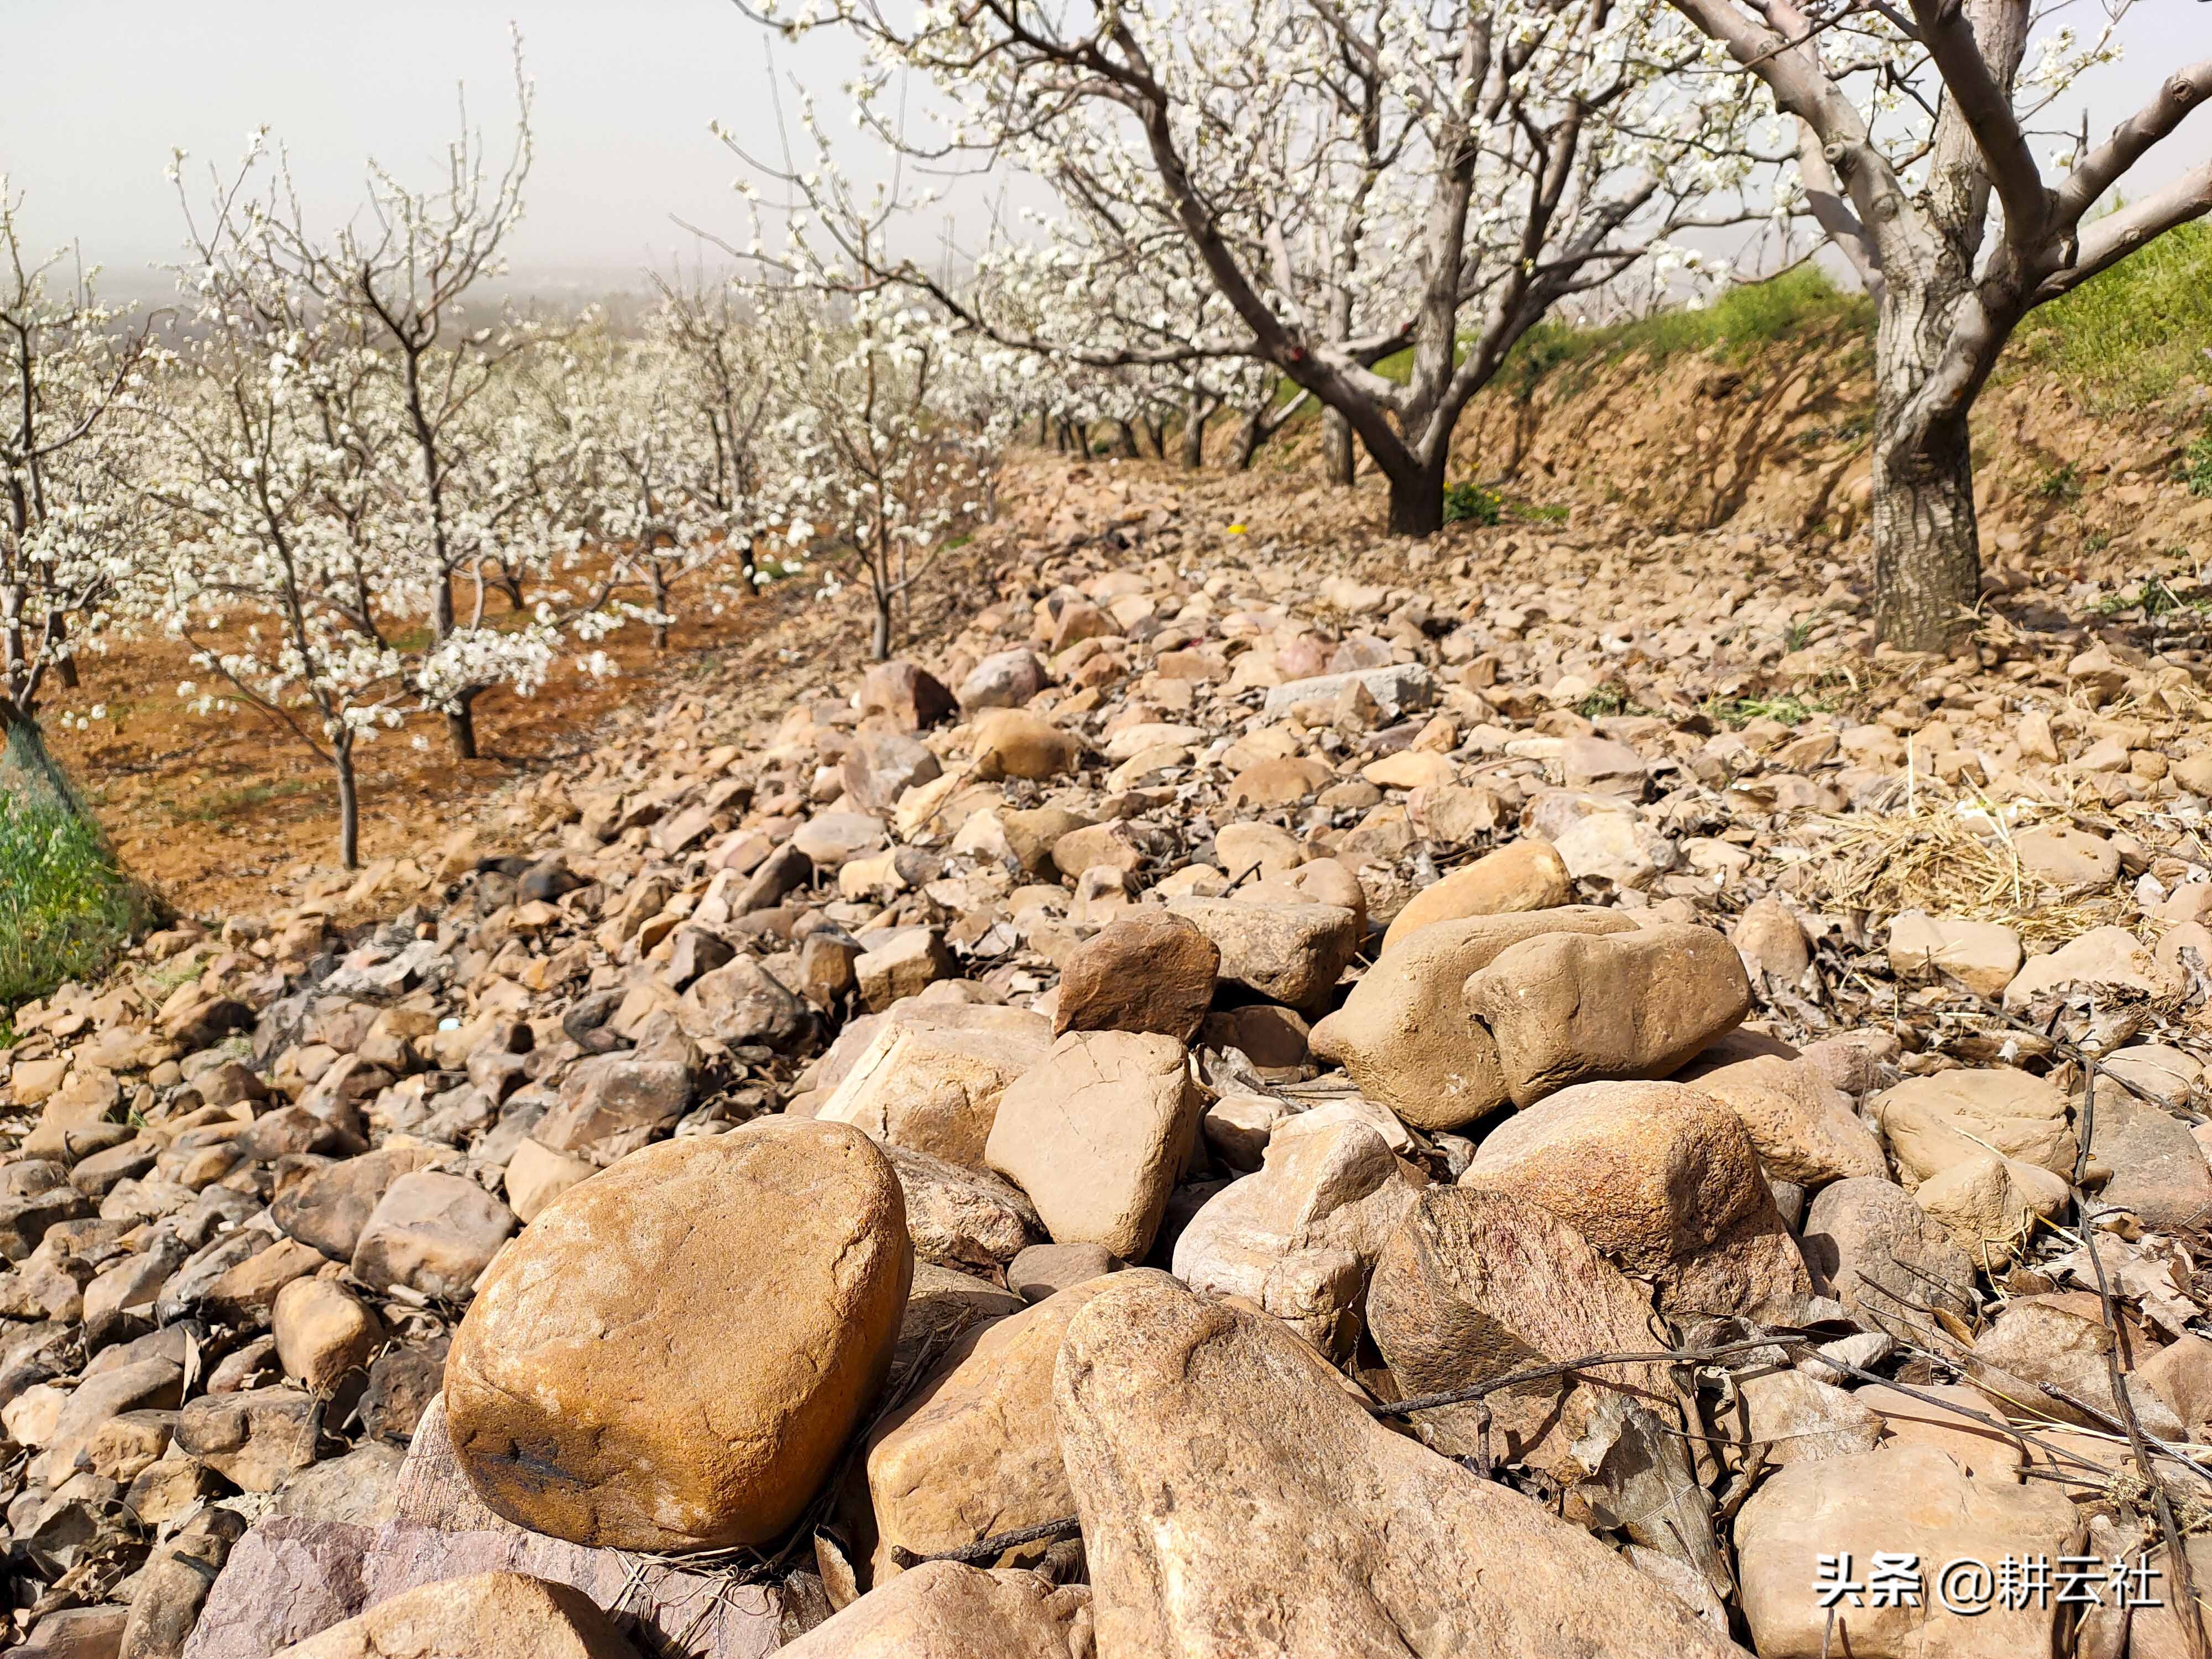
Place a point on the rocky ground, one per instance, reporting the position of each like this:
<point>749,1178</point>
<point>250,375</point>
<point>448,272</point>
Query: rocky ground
<point>1259,1092</point>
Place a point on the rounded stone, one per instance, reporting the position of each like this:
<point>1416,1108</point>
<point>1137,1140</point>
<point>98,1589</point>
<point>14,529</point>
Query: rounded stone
<point>675,1352</point>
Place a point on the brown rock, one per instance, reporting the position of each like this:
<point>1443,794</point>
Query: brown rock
<point>1804,1129</point>
<point>433,1233</point>
<point>1012,743</point>
<point>1142,973</point>
<point>1406,1034</point>
<point>323,1331</point>
<point>329,1206</point>
<point>1097,1135</point>
<point>490,1615</point>
<point>1663,1180</point>
<point>1570,1008</point>
<point>1526,875</point>
<point>973,1452</point>
<point>943,1610</point>
<point>1869,1229</point>
<point>1300,1525</point>
<point>931,1078</point>
<point>1288,953</point>
<point>674,1354</point>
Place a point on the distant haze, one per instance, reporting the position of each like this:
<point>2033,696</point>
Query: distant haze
<point>625,92</point>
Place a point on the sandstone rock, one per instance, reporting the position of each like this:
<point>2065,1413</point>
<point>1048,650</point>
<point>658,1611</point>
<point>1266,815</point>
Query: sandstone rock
<point>1988,1204</point>
<point>1932,1122</point>
<point>1006,680</point>
<point>1405,1033</point>
<point>962,1217</point>
<point>742,1002</point>
<point>2063,1341</point>
<point>1568,1008</point>
<point>1768,937</point>
<point>908,694</point>
<point>1474,1284</point>
<point>1398,689</point>
<point>433,1233</point>
<point>1617,849</point>
<point>1663,1180</point>
<point>1042,1270</point>
<point>174,1585</point>
<point>1333,1535</point>
<point>932,1079</point>
<point>943,1610</point>
<point>676,1351</point>
<point>903,966</point>
<point>492,1615</point>
<point>612,1103</point>
<point>1282,781</point>
<point>881,766</point>
<point>323,1331</point>
<point>2105,962</point>
<point>974,1453</point>
<point>1287,953</point>
<point>1527,875</point>
<point>1602,764</point>
<point>1299,1238</point>
<point>1949,1416</point>
<point>1805,1129</point>
<point>1983,956</point>
<point>1901,1499</point>
<point>1010,743</point>
<point>1868,1228</point>
<point>536,1175</point>
<point>1791,1417</point>
<point>1151,974</point>
<point>2073,860</point>
<point>257,1439</point>
<point>1096,1135</point>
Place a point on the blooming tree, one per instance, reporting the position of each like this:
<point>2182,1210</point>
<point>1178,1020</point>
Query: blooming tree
<point>69,525</point>
<point>1921,156</point>
<point>876,470</point>
<point>1354,178</point>
<point>272,448</point>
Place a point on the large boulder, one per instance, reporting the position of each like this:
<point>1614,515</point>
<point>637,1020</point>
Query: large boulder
<point>1664,1180</point>
<point>1524,876</point>
<point>1406,1033</point>
<point>1096,1135</point>
<point>1571,1008</point>
<point>1142,973</point>
<point>1235,1500</point>
<point>1287,953</point>
<point>1299,1237</point>
<point>1911,1500</point>
<point>973,1453</point>
<point>943,1610</point>
<point>931,1078</point>
<point>674,1354</point>
<point>488,1615</point>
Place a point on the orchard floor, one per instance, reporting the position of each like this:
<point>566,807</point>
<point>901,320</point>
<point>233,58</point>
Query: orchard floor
<point>211,810</point>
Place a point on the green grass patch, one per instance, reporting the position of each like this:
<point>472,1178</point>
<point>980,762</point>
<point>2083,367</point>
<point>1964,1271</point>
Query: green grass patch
<point>2196,464</point>
<point>1742,321</point>
<point>1470,503</point>
<point>1790,709</point>
<point>2134,334</point>
<point>66,909</point>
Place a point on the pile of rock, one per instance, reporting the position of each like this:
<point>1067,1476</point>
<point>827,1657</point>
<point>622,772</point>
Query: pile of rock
<point>1049,1109</point>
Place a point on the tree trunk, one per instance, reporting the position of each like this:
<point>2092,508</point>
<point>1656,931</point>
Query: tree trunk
<point>1194,434</point>
<point>1126,434</point>
<point>1250,434</point>
<point>1927,546</point>
<point>1340,459</point>
<point>349,808</point>
<point>1417,498</point>
<point>461,726</point>
<point>879,641</point>
<point>1157,432</point>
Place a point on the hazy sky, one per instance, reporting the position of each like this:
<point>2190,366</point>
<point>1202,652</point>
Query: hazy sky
<point>625,91</point>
